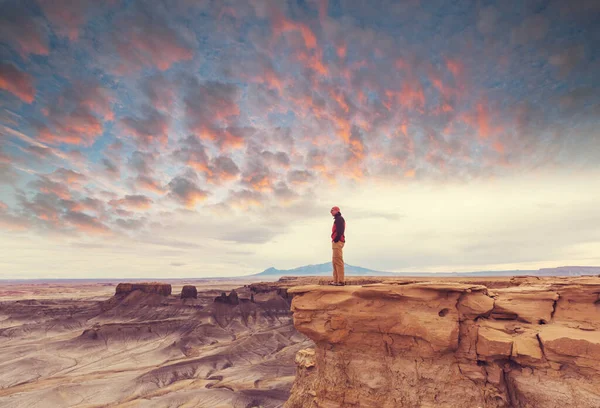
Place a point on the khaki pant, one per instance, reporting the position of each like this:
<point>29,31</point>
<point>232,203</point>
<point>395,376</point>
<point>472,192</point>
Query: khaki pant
<point>338,261</point>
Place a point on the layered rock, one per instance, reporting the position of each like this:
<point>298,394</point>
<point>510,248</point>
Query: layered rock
<point>449,344</point>
<point>189,292</point>
<point>163,289</point>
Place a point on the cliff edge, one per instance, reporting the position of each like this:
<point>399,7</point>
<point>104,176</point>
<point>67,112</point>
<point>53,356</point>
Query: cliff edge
<point>449,344</point>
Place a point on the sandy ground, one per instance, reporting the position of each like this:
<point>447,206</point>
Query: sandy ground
<point>74,345</point>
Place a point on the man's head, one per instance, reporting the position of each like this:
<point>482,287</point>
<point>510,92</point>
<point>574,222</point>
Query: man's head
<point>334,210</point>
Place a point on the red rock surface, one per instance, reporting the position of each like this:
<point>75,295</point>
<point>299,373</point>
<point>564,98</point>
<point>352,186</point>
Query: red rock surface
<point>189,292</point>
<point>163,289</point>
<point>450,343</point>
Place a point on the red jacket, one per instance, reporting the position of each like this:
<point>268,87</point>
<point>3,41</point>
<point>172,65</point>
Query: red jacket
<point>338,229</point>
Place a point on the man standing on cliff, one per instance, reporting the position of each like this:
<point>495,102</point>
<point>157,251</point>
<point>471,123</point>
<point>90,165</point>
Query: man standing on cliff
<point>337,244</point>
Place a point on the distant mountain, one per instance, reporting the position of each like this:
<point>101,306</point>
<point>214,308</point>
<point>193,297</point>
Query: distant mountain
<point>325,269</point>
<point>322,270</point>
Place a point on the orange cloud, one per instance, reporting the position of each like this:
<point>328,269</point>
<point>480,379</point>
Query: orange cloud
<point>149,184</point>
<point>17,82</point>
<point>410,96</point>
<point>341,51</point>
<point>456,67</point>
<point>481,121</point>
<point>230,137</point>
<point>281,25</point>
<point>186,192</point>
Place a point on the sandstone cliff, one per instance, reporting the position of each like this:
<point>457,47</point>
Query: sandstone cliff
<point>525,343</point>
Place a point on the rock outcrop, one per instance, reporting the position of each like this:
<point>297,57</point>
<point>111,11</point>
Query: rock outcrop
<point>163,289</point>
<point>450,344</point>
<point>189,292</point>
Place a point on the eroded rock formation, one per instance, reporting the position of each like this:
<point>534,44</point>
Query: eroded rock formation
<point>448,344</point>
<point>163,289</point>
<point>189,292</point>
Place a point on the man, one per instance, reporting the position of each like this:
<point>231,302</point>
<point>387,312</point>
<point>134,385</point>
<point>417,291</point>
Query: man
<point>337,244</point>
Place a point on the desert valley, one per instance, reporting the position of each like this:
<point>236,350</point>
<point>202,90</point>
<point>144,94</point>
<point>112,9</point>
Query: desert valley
<point>297,342</point>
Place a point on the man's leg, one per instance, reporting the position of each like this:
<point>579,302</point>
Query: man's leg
<point>341,264</point>
<point>338,262</point>
<point>333,263</point>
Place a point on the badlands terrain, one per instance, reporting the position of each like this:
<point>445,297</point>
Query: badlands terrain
<point>377,342</point>
<point>98,344</point>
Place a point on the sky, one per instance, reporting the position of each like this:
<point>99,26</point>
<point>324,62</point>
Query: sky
<point>199,138</point>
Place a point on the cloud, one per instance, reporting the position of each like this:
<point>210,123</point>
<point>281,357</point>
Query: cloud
<point>148,128</point>
<point>568,58</point>
<point>13,223</point>
<point>110,167</point>
<point>222,169</point>
<point>149,184</point>
<point>145,38</point>
<point>244,199</point>
<point>67,176</point>
<point>47,186</point>
<point>86,223</point>
<point>185,191</point>
<point>24,31</point>
<point>66,16</point>
<point>299,177</point>
<point>142,162</point>
<point>89,204</point>
<point>159,91</point>
<point>77,116</point>
<point>280,159</point>
<point>133,202</point>
<point>130,224</point>
<point>193,153</point>
<point>17,82</point>
<point>8,175</point>
<point>532,28</point>
<point>210,108</point>
<point>257,176</point>
<point>487,20</point>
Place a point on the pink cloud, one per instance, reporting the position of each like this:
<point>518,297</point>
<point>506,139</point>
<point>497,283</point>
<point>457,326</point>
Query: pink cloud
<point>86,223</point>
<point>77,115</point>
<point>67,16</point>
<point>47,186</point>
<point>28,34</point>
<point>152,127</point>
<point>13,223</point>
<point>67,176</point>
<point>230,137</point>
<point>159,91</point>
<point>211,102</point>
<point>222,169</point>
<point>17,82</point>
<point>147,40</point>
<point>149,184</point>
<point>281,25</point>
<point>133,202</point>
